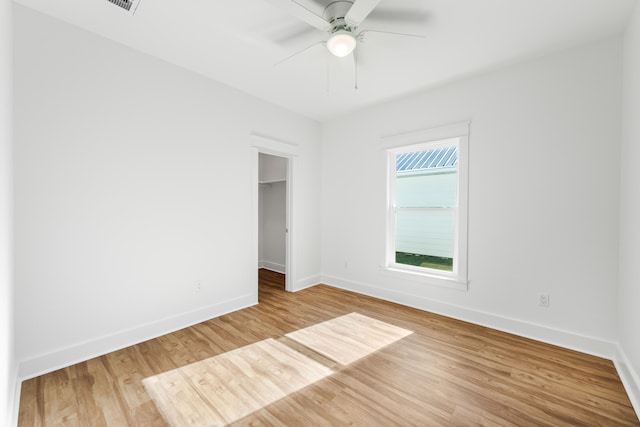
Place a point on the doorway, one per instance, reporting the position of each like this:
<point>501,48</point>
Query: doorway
<point>272,213</point>
<point>289,152</point>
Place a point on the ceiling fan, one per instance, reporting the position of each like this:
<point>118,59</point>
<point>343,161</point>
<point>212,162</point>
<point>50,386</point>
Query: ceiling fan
<point>340,20</point>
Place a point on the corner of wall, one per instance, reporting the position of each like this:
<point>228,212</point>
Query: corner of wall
<point>630,379</point>
<point>306,282</point>
<point>627,359</point>
<point>13,408</point>
<point>272,266</point>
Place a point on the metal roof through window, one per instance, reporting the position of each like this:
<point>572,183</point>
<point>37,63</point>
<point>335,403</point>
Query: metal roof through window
<point>444,157</point>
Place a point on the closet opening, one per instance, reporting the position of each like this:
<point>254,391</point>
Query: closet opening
<point>273,220</point>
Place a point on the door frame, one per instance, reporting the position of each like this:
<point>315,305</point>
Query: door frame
<point>274,147</point>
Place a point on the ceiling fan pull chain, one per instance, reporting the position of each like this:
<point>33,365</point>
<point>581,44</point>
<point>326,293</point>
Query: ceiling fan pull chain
<point>327,56</point>
<point>355,63</point>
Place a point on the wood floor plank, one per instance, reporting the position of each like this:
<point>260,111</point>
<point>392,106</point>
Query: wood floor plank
<point>228,387</point>
<point>348,338</point>
<point>105,394</point>
<point>31,403</point>
<point>446,372</point>
<point>129,369</point>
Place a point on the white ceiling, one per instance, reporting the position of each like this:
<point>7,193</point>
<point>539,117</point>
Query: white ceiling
<point>237,42</point>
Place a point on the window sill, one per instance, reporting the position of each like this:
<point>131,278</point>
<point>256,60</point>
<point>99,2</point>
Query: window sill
<point>451,282</point>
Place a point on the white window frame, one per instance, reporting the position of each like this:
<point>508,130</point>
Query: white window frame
<point>422,141</point>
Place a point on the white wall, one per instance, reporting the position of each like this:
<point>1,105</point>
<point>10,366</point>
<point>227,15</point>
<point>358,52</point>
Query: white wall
<point>273,223</point>
<point>544,160</point>
<point>7,360</point>
<point>133,182</point>
<point>272,168</point>
<point>260,223</point>
<point>629,294</point>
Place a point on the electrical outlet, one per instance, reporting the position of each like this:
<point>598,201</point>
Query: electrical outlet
<point>198,286</point>
<point>543,300</point>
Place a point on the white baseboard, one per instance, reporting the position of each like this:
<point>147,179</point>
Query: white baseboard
<point>566,339</point>
<point>630,378</point>
<point>273,266</point>
<point>306,282</point>
<point>13,401</point>
<point>96,347</point>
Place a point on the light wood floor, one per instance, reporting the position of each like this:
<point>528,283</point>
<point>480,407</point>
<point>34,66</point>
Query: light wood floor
<point>445,373</point>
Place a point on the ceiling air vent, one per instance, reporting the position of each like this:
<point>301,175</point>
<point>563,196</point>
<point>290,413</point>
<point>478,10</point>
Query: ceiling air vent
<point>125,4</point>
<point>128,5</point>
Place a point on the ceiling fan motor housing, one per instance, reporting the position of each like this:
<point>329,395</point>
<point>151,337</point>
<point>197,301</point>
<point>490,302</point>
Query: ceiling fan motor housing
<point>334,14</point>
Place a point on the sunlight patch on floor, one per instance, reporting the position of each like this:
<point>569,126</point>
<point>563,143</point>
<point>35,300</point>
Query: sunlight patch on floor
<point>348,338</point>
<point>225,388</point>
<point>228,387</point>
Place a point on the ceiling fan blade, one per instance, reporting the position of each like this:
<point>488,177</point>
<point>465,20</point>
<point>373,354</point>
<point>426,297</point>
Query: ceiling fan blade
<point>393,33</point>
<point>390,16</point>
<point>302,12</point>
<point>294,35</point>
<point>298,53</point>
<point>359,11</point>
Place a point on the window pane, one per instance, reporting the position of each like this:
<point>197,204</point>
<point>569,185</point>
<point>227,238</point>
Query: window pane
<point>425,238</point>
<point>435,190</point>
<point>427,178</point>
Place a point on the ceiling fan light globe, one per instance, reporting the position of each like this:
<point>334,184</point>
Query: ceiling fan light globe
<point>341,44</point>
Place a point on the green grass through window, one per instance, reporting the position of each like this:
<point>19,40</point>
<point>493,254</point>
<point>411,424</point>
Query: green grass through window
<point>426,261</point>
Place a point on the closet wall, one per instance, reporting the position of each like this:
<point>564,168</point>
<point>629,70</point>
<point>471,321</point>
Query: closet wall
<point>272,206</point>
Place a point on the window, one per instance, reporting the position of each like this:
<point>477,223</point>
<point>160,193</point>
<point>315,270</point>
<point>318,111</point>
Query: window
<point>427,207</point>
